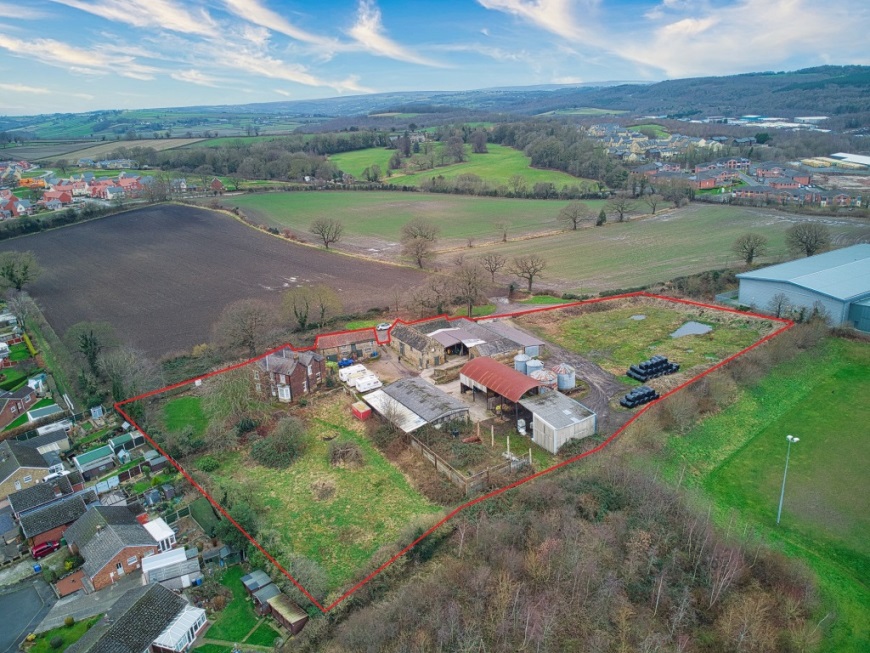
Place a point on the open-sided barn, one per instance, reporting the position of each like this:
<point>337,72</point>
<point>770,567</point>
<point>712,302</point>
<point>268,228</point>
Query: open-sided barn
<point>498,382</point>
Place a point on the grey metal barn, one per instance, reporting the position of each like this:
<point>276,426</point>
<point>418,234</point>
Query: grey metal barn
<point>839,281</point>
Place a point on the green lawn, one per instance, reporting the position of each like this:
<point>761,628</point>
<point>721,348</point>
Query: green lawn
<point>546,300</point>
<point>377,217</point>
<point>660,131</point>
<point>265,635</point>
<point>18,352</point>
<point>12,378</point>
<point>615,341</point>
<point>361,324</point>
<point>738,457</point>
<point>184,412</point>
<point>368,508</point>
<point>476,311</point>
<point>214,648</point>
<point>203,513</point>
<point>353,163</point>
<point>630,254</point>
<point>238,618</point>
<point>69,635</point>
<point>21,420</point>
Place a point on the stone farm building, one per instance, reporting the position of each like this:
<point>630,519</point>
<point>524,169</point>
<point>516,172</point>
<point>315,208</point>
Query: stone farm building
<point>288,375</point>
<point>413,402</point>
<point>837,281</point>
<point>351,344</point>
<point>431,343</point>
<point>556,419</point>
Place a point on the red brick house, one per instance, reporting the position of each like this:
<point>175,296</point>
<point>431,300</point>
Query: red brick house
<point>287,374</point>
<point>217,186</point>
<point>49,523</point>
<point>783,183</point>
<point>112,543</point>
<point>20,467</point>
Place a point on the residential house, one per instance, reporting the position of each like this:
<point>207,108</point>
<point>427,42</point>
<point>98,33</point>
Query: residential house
<point>782,183</point>
<point>288,374</point>
<point>50,522</point>
<point>15,404</point>
<point>149,619</point>
<point>54,439</point>
<point>20,467</point>
<point>176,569</point>
<point>113,193</point>
<point>217,186</point>
<point>94,462</point>
<point>351,344</point>
<point>112,543</point>
<point>63,196</point>
<point>39,495</point>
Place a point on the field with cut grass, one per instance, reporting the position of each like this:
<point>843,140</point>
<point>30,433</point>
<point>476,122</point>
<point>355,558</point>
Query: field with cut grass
<point>655,249</point>
<point>375,219</point>
<point>660,131</point>
<point>615,340</point>
<point>185,412</point>
<point>738,456</point>
<point>354,162</point>
<point>342,526</point>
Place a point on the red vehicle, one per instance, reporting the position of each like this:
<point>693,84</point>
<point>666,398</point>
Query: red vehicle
<point>42,550</point>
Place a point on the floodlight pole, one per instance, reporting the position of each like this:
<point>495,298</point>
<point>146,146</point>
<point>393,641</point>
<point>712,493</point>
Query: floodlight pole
<point>790,439</point>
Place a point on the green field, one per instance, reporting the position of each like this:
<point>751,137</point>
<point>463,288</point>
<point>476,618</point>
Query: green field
<point>738,457</point>
<point>615,341</point>
<point>369,507</point>
<point>184,412</point>
<point>381,215</point>
<point>660,131</point>
<point>496,166</point>
<point>630,254</point>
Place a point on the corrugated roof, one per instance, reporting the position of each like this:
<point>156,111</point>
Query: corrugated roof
<point>95,454</point>
<point>499,378</point>
<point>843,274</point>
<point>556,409</point>
<point>424,399</point>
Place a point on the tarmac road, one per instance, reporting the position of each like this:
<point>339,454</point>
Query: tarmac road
<point>22,606</point>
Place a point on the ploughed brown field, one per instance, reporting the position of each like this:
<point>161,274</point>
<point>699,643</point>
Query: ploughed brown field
<point>161,275</point>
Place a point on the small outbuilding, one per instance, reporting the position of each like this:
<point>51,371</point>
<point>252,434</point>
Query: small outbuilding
<point>412,403</point>
<point>256,580</point>
<point>556,419</point>
<point>350,344</point>
<point>287,613</point>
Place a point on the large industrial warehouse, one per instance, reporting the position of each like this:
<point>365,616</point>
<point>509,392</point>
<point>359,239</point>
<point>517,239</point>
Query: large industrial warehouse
<point>839,281</point>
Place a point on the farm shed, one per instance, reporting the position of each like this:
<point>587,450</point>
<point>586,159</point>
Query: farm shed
<point>496,381</point>
<point>287,613</point>
<point>531,345</point>
<point>351,344</point>
<point>412,403</point>
<point>556,419</point>
<point>838,281</point>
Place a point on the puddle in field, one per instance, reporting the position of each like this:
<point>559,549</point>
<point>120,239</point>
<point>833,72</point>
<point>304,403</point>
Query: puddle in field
<point>638,317</point>
<point>691,329</point>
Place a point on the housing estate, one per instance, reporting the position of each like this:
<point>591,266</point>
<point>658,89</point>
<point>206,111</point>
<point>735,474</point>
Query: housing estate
<point>836,282</point>
<point>50,522</point>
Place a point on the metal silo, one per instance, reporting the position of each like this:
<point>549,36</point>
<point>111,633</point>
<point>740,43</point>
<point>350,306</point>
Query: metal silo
<point>546,378</point>
<point>566,377</point>
<point>520,361</point>
<point>533,365</point>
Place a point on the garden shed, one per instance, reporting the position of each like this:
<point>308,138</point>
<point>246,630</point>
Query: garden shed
<point>287,613</point>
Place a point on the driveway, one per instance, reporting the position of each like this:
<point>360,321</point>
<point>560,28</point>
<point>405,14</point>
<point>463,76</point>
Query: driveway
<point>22,607</point>
<point>82,606</point>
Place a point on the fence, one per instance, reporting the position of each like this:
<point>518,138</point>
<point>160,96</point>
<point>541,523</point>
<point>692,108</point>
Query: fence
<point>469,484</point>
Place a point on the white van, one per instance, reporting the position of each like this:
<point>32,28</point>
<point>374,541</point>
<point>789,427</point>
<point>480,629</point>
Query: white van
<point>345,373</point>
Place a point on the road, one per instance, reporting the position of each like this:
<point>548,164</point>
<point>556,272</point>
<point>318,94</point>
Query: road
<point>22,606</point>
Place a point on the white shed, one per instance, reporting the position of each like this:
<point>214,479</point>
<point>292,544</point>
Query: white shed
<point>556,419</point>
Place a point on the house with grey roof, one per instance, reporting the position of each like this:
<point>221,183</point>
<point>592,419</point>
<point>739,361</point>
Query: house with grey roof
<point>112,543</point>
<point>39,495</point>
<point>836,283</point>
<point>49,440</point>
<point>287,375</point>
<point>149,619</point>
<point>49,523</point>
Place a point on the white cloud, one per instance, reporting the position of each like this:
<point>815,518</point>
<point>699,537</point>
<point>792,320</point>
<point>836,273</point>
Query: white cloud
<point>499,54</point>
<point>63,55</point>
<point>159,14</point>
<point>284,93</point>
<point>194,76</point>
<point>15,11</point>
<point>257,13</point>
<point>369,33</point>
<point>556,16</point>
<point>22,88</point>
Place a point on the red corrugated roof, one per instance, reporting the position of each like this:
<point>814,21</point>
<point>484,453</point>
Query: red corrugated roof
<point>499,378</point>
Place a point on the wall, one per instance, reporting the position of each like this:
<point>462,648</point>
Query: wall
<point>104,576</point>
<point>758,294</point>
<point>53,535</point>
<point>552,439</point>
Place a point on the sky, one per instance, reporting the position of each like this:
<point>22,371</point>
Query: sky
<point>81,55</point>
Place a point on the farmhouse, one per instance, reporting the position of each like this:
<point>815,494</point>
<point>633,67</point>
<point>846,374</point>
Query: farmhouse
<point>150,619</point>
<point>413,402</point>
<point>112,543</point>
<point>352,344</point>
<point>500,385</point>
<point>837,282</point>
<point>287,374</point>
<point>556,419</point>
<point>20,467</point>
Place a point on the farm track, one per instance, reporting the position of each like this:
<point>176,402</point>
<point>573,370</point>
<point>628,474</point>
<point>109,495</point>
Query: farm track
<point>162,275</point>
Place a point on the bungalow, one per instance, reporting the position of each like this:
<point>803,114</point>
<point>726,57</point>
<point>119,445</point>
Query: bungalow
<point>351,344</point>
<point>20,467</point>
<point>149,619</point>
<point>288,374</point>
<point>50,523</point>
<point>15,404</point>
<point>93,462</point>
<point>112,543</point>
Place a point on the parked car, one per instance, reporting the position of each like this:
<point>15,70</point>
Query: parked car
<point>345,362</point>
<point>384,326</point>
<point>42,550</point>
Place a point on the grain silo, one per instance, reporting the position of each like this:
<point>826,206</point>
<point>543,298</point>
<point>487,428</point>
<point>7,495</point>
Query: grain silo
<point>565,376</point>
<point>546,378</point>
<point>520,361</point>
<point>533,365</point>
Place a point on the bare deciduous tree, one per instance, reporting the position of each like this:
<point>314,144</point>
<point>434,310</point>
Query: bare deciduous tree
<point>749,246</point>
<point>129,372</point>
<point>574,214</point>
<point>492,263</point>
<point>528,267</point>
<point>22,306</point>
<point>620,205</point>
<point>328,230</point>
<point>468,281</point>
<point>652,201</point>
<point>778,304</point>
<point>246,325</point>
<point>418,240</point>
<point>808,238</point>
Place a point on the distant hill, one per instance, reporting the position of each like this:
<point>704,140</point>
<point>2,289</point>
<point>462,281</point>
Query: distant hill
<point>842,92</point>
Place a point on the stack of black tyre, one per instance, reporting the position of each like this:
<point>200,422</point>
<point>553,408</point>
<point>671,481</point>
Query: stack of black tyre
<point>639,396</point>
<point>652,369</point>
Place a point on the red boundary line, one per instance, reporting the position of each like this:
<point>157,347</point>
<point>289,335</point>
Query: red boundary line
<point>787,324</point>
